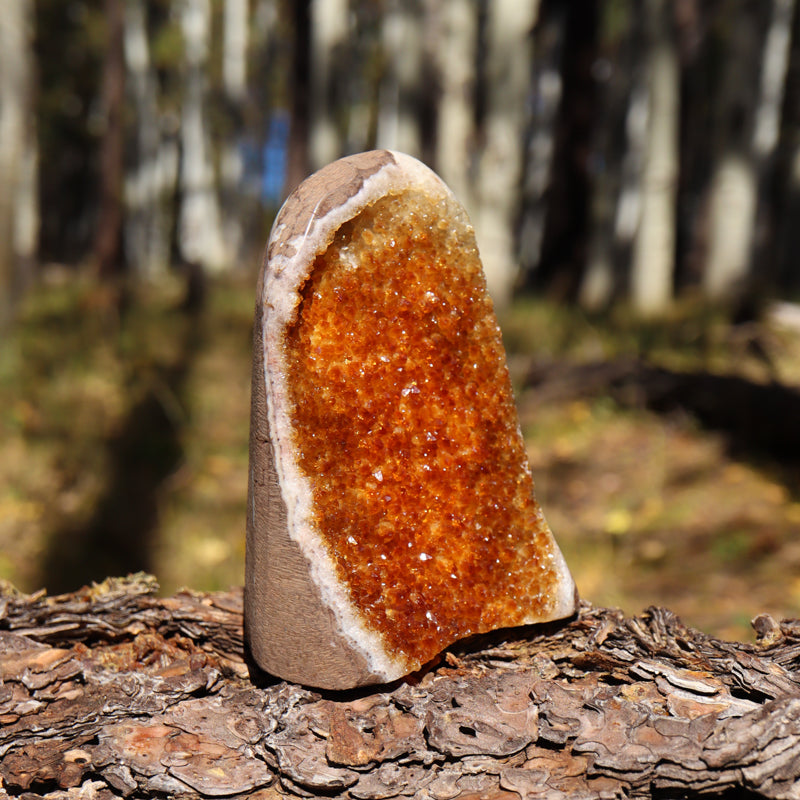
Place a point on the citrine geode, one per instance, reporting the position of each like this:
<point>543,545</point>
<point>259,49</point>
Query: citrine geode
<point>392,509</point>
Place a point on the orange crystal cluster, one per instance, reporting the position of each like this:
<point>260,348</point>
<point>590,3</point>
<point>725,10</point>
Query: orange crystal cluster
<point>407,430</point>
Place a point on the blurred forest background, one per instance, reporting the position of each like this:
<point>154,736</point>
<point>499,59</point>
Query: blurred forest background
<point>633,173</point>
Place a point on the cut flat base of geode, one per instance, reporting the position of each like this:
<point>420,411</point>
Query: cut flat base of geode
<point>392,509</point>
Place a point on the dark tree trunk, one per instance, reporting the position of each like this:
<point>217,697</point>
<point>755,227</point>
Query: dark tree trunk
<point>783,243</point>
<point>298,158</point>
<point>616,163</point>
<point>112,692</point>
<point>728,272</point>
<point>107,249</point>
<point>696,146</point>
<point>566,232</point>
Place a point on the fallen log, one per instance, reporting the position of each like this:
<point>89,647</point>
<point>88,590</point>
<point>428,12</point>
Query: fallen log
<point>113,692</point>
<point>762,418</point>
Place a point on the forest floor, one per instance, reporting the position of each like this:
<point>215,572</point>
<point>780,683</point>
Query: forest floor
<point>124,430</point>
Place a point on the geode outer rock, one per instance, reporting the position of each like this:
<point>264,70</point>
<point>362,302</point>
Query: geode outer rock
<point>391,506</point>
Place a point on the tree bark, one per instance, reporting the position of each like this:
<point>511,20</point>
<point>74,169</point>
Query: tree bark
<point>152,176</point>
<point>614,159</point>
<point>456,23</point>
<point>298,158</point>
<point>784,245</point>
<point>108,252</point>
<point>18,153</point>
<point>500,157</point>
<point>201,238</point>
<point>773,117</point>
<point>733,192</point>
<point>329,34</point>
<point>566,234</point>
<point>112,692</point>
<point>401,90</point>
<point>653,264</point>
<point>234,80</point>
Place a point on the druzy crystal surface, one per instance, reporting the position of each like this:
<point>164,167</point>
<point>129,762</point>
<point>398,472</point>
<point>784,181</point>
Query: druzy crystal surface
<point>406,428</point>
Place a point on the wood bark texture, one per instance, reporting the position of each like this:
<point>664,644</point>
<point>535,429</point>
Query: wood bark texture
<point>113,692</point>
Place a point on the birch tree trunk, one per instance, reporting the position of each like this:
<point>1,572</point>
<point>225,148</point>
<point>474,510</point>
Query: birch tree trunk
<point>766,137</point>
<point>499,173</point>
<point>654,246</point>
<point>457,22</point>
<point>235,45</point>
<point>18,153</point>
<point>732,209</point>
<point>200,229</point>
<point>483,163</point>
<point>774,65</point>
<point>26,213</point>
<point>152,176</point>
<point>734,185</point>
<point>234,54</point>
<point>329,29</point>
<point>398,122</point>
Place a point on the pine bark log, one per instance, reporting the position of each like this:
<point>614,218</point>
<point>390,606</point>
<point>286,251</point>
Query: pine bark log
<point>113,692</point>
